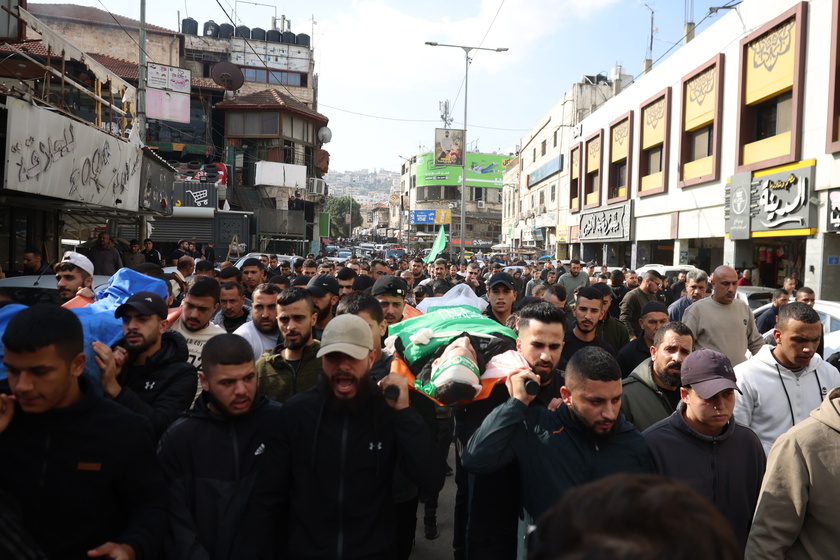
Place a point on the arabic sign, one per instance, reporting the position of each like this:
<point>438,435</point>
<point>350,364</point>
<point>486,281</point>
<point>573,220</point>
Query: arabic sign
<point>775,202</point>
<point>611,223</point>
<point>833,211</point>
<point>168,77</point>
<point>483,170</point>
<point>430,216</point>
<point>51,155</point>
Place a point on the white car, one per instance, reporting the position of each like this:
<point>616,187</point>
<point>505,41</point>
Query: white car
<point>756,296</point>
<point>30,290</point>
<point>829,312</point>
<point>670,272</point>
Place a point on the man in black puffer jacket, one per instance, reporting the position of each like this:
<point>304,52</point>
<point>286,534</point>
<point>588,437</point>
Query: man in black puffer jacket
<point>148,370</point>
<point>221,461</point>
<point>343,440</point>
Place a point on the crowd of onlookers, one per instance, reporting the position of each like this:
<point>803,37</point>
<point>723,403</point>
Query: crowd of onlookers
<point>259,410</point>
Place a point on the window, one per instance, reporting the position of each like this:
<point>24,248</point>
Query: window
<point>621,142</point>
<point>555,138</point>
<point>274,77</point>
<point>769,115</point>
<point>832,143</point>
<point>702,106</point>
<point>592,171</point>
<point>655,117</point>
<point>553,192</point>
<point>574,180</point>
<point>543,148</point>
<point>254,123</point>
<point>535,155</point>
<point>542,197</point>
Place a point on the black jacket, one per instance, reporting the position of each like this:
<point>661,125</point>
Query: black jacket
<point>338,473</point>
<point>726,469</point>
<point>223,486</point>
<point>554,452</point>
<point>164,386</point>
<point>84,475</point>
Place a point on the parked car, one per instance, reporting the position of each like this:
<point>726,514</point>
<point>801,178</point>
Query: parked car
<point>829,312</point>
<point>670,272</point>
<point>30,290</point>
<point>755,296</point>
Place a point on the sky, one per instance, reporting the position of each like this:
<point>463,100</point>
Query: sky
<point>380,85</point>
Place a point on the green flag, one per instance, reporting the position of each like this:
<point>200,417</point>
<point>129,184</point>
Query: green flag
<point>439,245</point>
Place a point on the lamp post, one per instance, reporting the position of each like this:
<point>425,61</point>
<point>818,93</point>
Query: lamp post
<point>467,51</point>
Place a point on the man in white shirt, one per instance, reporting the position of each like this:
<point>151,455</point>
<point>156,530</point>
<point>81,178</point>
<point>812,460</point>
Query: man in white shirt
<point>200,302</point>
<point>262,331</point>
<point>781,385</point>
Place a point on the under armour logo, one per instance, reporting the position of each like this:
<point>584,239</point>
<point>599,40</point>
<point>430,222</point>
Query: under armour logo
<point>823,391</point>
<point>377,445</point>
<point>150,385</point>
<point>260,449</point>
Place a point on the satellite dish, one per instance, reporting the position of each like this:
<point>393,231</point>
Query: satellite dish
<point>325,135</point>
<point>227,75</point>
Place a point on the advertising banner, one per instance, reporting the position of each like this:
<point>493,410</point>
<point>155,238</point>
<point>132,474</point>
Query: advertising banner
<point>483,170</point>
<point>430,216</point>
<point>448,146</point>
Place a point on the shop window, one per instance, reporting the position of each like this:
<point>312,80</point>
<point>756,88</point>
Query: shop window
<point>592,171</point>
<point>654,144</point>
<point>769,114</point>
<point>574,180</point>
<point>621,139</point>
<point>701,108</point>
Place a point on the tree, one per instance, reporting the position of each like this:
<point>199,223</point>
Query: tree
<point>337,207</point>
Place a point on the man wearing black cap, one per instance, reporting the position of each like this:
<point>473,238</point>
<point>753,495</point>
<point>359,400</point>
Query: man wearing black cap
<point>651,392</point>
<point>148,370</point>
<point>390,292</point>
<point>501,294</point>
<point>654,315</point>
<point>702,432</point>
<point>324,289</point>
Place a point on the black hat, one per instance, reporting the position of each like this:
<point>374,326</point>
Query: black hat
<point>389,285</point>
<point>300,281</point>
<point>362,283</point>
<point>654,307</point>
<point>501,278</point>
<point>322,284</point>
<point>145,303</point>
<point>708,373</point>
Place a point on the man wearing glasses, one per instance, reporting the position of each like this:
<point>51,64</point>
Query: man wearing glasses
<point>379,268</point>
<point>473,279</point>
<point>631,305</point>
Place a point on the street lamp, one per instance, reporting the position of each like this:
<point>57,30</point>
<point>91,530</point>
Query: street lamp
<point>467,51</point>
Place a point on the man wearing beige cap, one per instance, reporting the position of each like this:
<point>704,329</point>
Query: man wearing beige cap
<point>703,432</point>
<point>341,441</point>
<point>75,271</point>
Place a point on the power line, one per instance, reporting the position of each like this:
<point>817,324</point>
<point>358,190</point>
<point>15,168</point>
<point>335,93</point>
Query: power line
<point>486,33</point>
<point>126,32</point>
<point>397,119</point>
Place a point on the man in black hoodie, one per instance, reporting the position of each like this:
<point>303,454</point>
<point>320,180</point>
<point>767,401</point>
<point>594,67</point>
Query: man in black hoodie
<point>343,440</point>
<point>148,370</point>
<point>76,471</point>
<point>220,461</point>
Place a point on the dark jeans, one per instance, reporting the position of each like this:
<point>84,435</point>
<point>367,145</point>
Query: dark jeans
<point>445,433</point>
<point>406,517</point>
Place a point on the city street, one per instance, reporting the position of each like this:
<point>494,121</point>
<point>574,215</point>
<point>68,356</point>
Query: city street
<point>441,547</point>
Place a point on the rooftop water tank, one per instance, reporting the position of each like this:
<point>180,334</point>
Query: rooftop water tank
<point>258,34</point>
<point>243,31</point>
<point>273,36</point>
<point>211,29</point>
<point>303,39</point>
<point>225,31</point>
<point>189,26</point>
<point>288,37</point>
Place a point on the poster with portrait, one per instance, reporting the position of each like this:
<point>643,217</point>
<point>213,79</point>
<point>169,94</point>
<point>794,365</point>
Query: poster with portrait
<point>449,146</point>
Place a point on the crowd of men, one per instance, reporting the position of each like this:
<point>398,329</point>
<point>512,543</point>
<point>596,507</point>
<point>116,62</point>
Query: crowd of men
<point>255,412</point>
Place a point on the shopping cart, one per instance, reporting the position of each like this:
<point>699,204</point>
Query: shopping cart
<point>200,197</point>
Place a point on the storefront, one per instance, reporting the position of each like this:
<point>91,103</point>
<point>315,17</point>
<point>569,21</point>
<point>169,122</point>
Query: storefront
<point>605,235</point>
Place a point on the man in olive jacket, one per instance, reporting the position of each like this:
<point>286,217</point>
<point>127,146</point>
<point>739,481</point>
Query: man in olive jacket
<point>652,391</point>
<point>293,366</point>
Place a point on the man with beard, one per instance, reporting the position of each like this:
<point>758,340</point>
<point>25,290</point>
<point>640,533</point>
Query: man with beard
<point>293,366</point>
<point>501,294</point>
<point>74,272</point>
<point>200,302</point>
<point>324,289</point>
<point>181,251</point>
<point>417,270</point>
<point>262,331</point>
<point>702,432</point>
<point>253,274</point>
<point>345,278</point>
<point>652,391</point>
<point>584,439</point>
<point>342,442</point>
<point>104,256</point>
<point>148,371</point>
<point>609,328</point>
<point>695,289</point>
<point>33,263</point>
<point>309,268</point>
<point>573,280</point>
<point>390,292</point>
<point>587,313</point>
<point>654,315</point>
<point>233,312</point>
<point>220,461</point>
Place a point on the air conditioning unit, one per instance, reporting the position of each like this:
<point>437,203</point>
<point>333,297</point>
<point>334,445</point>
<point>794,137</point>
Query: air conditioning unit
<point>481,204</point>
<point>316,186</point>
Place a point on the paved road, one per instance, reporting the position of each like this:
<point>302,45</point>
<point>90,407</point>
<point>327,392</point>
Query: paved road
<point>441,547</point>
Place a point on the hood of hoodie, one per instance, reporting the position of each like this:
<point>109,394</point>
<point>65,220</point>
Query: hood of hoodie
<point>765,355</point>
<point>202,410</point>
<point>829,411</point>
<point>644,374</point>
<point>679,423</point>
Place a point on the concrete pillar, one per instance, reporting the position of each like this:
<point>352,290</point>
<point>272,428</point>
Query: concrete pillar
<point>824,279</point>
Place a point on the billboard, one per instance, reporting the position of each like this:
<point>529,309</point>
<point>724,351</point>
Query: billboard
<point>431,216</point>
<point>483,170</point>
<point>448,146</point>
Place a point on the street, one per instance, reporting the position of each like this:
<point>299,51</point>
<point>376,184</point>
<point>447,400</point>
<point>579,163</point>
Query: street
<point>441,547</point>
